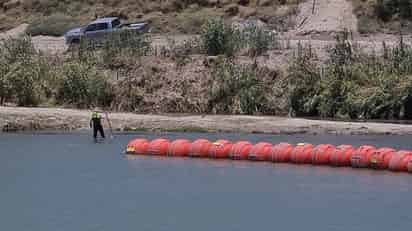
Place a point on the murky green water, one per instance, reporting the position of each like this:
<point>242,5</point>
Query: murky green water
<point>66,182</point>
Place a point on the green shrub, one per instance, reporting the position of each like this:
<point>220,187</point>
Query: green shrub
<point>258,40</point>
<point>83,86</point>
<point>236,89</point>
<point>53,25</point>
<point>367,25</point>
<point>24,73</point>
<point>353,84</point>
<point>304,82</point>
<point>218,38</point>
<point>16,49</point>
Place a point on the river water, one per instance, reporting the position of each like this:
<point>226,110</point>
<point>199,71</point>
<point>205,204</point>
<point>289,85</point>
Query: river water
<point>66,182</point>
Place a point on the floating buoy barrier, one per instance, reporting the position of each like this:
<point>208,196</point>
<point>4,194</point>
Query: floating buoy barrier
<point>322,153</point>
<point>158,147</point>
<point>381,157</point>
<point>342,156</point>
<point>220,149</point>
<point>200,148</point>
<point>179,148</point>
<point>138,147</point>
<point>400,161</point>
<point>260,152</point>
<point>362,156</point>
<point>281,153</point>
<point>240,150</point>
<point>303,153</point>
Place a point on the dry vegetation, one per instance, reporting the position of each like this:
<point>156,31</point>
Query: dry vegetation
<point>184,16</point>
<point>384,16</point>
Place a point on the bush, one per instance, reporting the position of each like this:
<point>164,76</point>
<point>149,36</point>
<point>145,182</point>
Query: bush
<point>258,40</point>
<point>54,25</point>
<point>236,89</point>
<point>217,38</point>
<point>353,84</point>
<point>16,49</point>
<point>83,86</point>
<point>367,25</point>
<point>24,72</point>
<point>304,82</point>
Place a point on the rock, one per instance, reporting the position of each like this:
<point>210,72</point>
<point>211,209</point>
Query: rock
<point>210,60</point>
<point>265,2</point>
<point>117,13</point>
<point>225,2</point>
<point>11,4</point>
<point>194,6</point>
<point>214,3</point>
<point>243,2</point>
<point>169,6</point>
<point>231,10</point>
<point>246,12</point>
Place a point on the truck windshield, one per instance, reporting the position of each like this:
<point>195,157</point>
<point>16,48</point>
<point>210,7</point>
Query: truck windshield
<point>96,27</point>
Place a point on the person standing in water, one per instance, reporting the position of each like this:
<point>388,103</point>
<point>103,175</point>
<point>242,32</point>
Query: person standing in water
<point>96,123</point>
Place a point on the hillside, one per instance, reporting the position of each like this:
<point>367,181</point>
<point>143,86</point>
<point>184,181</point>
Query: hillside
<point>187,16</point>
<point>184,16</point>
<point>194,65</point>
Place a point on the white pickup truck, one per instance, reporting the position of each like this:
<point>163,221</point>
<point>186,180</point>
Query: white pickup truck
<point>102,27</point>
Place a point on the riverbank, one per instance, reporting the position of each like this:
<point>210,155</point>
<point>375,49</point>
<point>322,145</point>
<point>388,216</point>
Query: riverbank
<point>16,119</point>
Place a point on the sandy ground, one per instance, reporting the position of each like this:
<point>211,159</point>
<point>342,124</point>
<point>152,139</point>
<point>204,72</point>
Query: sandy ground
<point>52,119</point>
<point>316,28</point>
<point>327,16</point>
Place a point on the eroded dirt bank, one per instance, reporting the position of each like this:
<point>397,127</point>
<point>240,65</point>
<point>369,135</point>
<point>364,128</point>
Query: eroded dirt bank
<point>14,119</point>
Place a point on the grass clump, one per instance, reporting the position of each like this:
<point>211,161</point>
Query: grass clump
<point>218,38</point>
<point>29,78</point>
<point>23,72</point>
<point>383,15</point>
<point>353,84</point>
<point>82,85</point>
<point>53,25</point>
<point>236,89</point>
<point>258,40</point>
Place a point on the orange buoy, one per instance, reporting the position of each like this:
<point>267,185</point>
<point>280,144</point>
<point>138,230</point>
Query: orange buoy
<point>179,148</point>
<point>260,152</point>
<point>302,154</point>
<point>410,166</point>
<point>158,147</point>
<point>381,157</point>
<point>240,150</point>
<point>362,156</point>
<point>400,161</point>
<point>137,147</point>
<point>200,148</point>
<point>322,153</point>
<point>342,156</point>
<point>220,149</point>
<point>281,152</point>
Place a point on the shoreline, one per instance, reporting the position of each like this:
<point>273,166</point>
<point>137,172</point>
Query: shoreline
<point>54,120</point>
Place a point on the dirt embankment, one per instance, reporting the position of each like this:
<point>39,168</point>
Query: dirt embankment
<point>48,119</point>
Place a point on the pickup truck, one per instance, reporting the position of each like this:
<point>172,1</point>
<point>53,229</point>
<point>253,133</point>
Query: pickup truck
<point>101,28</point>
